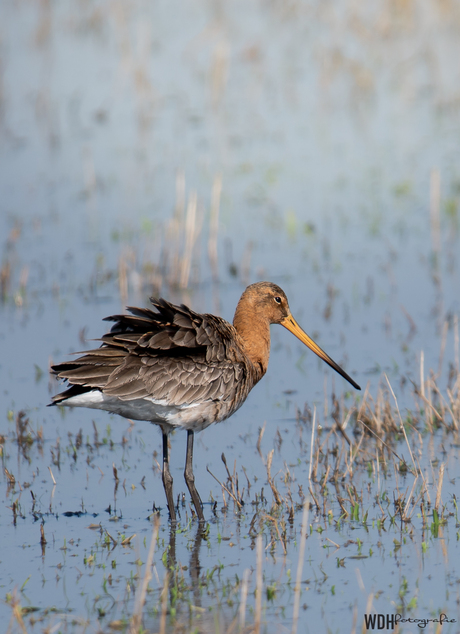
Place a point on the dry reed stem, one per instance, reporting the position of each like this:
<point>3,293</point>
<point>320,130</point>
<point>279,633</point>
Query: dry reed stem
<point>407,517</point>
<point>324,478</point>
<point>456,404</point>
<point>298,581</point>
<point>326,404</point>
<point>173,231</point>
<point>42,535</point>
<point>456,343</point>
<point>259,440</point>
<point>190,235</point>
<point>435,205</point>
<point>431,406</point>
<point>445,329</point>
<point>232,478</point>
<point>359,579</point>
<point>439,487</point>
<point>382,441</point>
<point>427,415</point>
<point>402,425</point>
<point>368,608</point>
<point>342,428</point>
<point>247,479</point>
<point>214,226</point>
<point>412,325</point>
<point>353,457</point>
<point>333,543</point>
<point>363,402</point>
<point>244,596</point>
<point>454,407</point>
<point>52,476</point>
<point>375,416</point>
<point>427,493</point>
<point>378,471</point>
<point>226,489</point>
<point>180,196</point>
<point>16,615</point>
<point>269,518</point>
<point>142,589</point>
<point>312,443</point>
<point>259,584</point>
<point>278,498</point>
<point>315,468</point>
<point>340,500</point>
<point>123,280</point>
<point>325,442</point>
<point>5,280</point>
<point>318,507</point>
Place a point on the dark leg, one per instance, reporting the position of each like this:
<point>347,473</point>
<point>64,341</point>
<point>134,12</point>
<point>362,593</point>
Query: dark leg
<point>167,479</point>
<point>190,478</point>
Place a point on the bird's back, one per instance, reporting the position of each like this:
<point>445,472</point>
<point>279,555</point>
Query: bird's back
<point>171,366</point>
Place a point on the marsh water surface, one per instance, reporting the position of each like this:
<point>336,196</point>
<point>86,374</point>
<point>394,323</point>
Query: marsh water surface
<point>186,149</point>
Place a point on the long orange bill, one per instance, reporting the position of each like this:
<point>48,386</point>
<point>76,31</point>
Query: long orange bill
<point>291,324</point>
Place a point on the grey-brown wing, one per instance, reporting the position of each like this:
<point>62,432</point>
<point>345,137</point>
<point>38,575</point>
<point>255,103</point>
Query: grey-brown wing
<point>176,381</point>
<point>172,328</point>
<point>172,354</point>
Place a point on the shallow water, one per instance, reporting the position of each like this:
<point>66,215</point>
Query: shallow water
<point>334,128</point>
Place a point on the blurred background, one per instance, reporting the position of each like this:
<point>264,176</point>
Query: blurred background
<point>152,148</point>
<point>190,148</point>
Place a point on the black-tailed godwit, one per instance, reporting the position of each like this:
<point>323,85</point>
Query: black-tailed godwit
<point>181,369</point>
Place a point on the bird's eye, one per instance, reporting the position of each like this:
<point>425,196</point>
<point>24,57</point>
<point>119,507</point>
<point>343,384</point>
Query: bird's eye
<point>277,300</point>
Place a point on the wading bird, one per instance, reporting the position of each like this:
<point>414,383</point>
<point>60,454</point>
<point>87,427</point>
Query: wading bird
<point>181,369</point>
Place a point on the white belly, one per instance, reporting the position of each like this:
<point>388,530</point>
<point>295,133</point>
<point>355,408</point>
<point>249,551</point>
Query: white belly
<point>196,416</point>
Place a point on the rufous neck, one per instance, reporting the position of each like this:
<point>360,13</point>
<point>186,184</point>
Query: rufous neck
<point>255,333</point>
